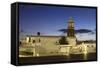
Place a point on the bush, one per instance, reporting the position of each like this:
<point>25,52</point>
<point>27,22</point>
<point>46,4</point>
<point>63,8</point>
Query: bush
<point>63,40</point>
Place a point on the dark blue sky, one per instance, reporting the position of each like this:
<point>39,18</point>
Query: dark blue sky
<point>49,19</point>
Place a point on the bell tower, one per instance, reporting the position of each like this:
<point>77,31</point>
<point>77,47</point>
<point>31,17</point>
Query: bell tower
<point>71,38</point>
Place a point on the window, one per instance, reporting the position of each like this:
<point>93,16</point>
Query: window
<point>33,41</point>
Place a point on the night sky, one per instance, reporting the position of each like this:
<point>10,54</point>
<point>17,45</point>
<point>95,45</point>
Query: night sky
<point>49,19</point>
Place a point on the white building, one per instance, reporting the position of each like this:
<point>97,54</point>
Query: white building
<point>38,45</point>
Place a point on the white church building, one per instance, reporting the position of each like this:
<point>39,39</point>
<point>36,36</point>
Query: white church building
<point>42,45</point>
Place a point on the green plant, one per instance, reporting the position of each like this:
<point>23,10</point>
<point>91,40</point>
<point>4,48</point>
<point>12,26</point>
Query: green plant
<point>63,40</point>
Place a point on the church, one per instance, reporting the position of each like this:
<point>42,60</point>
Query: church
<point>44,45</point>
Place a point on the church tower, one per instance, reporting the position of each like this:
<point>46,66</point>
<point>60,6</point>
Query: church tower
<point>71,38</point>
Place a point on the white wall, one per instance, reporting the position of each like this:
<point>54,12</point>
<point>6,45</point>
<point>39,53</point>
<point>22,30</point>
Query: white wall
<point>5,34</point>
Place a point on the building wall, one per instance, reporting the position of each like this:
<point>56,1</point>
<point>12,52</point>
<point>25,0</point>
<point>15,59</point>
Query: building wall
<point>49,46</point>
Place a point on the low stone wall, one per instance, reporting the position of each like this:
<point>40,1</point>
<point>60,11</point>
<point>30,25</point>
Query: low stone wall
<point>49,50</point>
<point>78,49</point>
